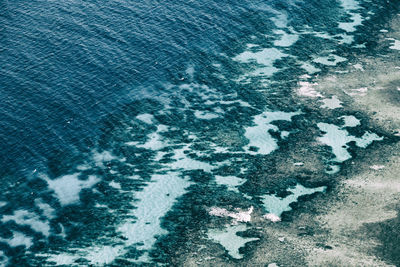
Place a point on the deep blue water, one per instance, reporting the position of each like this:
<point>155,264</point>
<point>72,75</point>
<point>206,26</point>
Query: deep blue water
<point>121,121</point>
<point>67,64</point>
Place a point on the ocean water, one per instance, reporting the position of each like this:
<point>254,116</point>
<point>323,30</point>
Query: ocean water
<point>124,123</point>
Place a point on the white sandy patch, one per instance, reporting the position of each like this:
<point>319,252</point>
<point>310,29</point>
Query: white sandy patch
<point>103,255</point>
<point>395,45</point>
<point>100,158</point>
<point>152,203</point>
<point>204,115</point>
<point>24,217</point>
<point>259,136</point>
<point>240,102</point>
<point>146,118</point>
<point>280,20</point>
<point>229,239</point>
<point>331,103</point>
<point>18,239</point>
<point>360,46</point>
<point>338,138</point>
<point>68,187</point>
<point>350,7</point>
<point>357,20</point>
<point>330,60</point>
<point>115,185</point>
<point>47,210</point>
<point>60,259</point>
<point>266,58</point>
<point>83,167</point>
<point>154,140</point>
<point>190,71</point>
<point>231,182</point>
<point>277,205</point>
<point>286,39</point>
<point>350,121</point>
<point>311,69</point>
<point>285,134</point>
<point>183,162</point>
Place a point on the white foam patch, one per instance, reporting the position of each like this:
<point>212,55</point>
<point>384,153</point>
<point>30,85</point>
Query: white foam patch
<point>266,57</point>
<point>286,39</point>
<point>24,217</point>
<point>277,205</point>
<point>258,134</point>
<point>357,91</point>
<point>239,216</point>
<point>358,66</point>
<point>331,103</point>
<point>18,239</point>
<point>350,121</point>
<point>395,45</point>
<point>338,138</point>
<point>377,167</point>
<point>203,115</point>
<point>229,239</point>
<point>146,118</point>
<point>307,89</point>
<point>231,182</point>
<point>68,187</point>
<point>330,60</point>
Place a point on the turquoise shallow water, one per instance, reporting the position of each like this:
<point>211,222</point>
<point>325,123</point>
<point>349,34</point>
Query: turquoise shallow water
<point>123,123</point>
